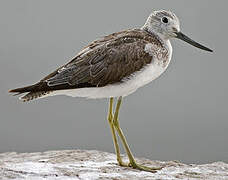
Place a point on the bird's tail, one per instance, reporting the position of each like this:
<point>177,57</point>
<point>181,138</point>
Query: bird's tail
<point>31,91</point>
<point>23,89</point>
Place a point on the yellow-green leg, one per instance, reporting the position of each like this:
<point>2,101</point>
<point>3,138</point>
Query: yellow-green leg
<point>132,162</point>
<point>110,120</point>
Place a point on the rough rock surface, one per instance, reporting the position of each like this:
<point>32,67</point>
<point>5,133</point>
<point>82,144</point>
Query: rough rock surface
<point>83,164</point>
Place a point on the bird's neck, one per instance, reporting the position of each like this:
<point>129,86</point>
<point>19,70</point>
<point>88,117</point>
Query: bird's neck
<point>151,31</point>
<point>158,36</point>
<point>164,41</point>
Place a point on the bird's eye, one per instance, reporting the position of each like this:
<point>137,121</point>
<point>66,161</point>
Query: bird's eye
<point>165,20</point>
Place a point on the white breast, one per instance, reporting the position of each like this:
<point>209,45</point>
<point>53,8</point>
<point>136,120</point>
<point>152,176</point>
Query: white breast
<point>131,84</point>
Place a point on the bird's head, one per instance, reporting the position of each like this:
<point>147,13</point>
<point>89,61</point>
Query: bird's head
<point>166,25</point>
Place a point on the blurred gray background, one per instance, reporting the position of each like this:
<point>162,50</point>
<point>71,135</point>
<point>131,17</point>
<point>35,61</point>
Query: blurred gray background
<point>181,116</point>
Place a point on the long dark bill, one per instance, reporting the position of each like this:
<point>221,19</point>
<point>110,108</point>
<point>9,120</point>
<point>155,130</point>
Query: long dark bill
<point>185,38</point>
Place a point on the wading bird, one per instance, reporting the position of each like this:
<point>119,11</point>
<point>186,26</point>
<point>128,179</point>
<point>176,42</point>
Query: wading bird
<point>116,66</point>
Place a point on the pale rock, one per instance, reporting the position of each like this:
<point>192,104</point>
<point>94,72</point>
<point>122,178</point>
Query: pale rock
<point>86,165</point>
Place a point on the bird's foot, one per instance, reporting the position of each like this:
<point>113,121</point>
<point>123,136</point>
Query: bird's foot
<point>144,168</point>
<point>121,163</point>
<point>135,165</point>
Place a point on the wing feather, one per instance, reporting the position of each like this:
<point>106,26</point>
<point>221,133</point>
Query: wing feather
<point>115,64</point>
<point>105,61</point>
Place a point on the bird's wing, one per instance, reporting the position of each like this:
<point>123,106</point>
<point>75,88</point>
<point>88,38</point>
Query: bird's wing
<point>109,60</point>
<point>107,63</point>
<point>103,66</point>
